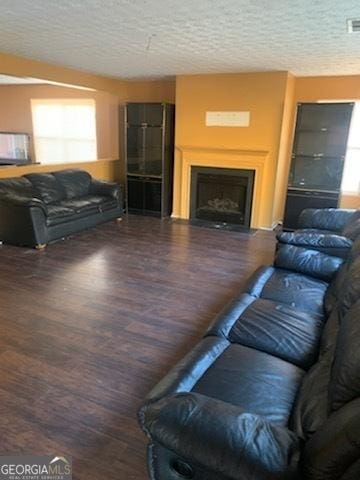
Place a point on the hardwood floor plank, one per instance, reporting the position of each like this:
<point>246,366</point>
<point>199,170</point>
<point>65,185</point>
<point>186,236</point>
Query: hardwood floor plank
<point>89,325</point>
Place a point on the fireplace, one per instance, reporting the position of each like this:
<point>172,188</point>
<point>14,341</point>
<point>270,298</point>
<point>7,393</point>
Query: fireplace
<point>221,195</point>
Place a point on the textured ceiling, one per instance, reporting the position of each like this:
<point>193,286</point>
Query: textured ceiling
<point>160,38</point>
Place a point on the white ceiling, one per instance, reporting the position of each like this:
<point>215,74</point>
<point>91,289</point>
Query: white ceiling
<point>161,38</point>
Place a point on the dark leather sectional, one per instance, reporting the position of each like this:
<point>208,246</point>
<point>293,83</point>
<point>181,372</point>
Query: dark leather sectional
<point>41,207</point>
<point>327,230</point>
<point>272,391</point>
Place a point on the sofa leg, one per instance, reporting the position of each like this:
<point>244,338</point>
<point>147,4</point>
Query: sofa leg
<point>40,246</point>
<point>118,220</point>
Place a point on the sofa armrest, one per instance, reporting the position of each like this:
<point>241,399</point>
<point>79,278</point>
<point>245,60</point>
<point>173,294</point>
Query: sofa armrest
<point>333,219</point>
<point>23,221</point>
<point>308,262</point>
<point>110,189</point>
<point>238,444</point>
<point>22,201</point>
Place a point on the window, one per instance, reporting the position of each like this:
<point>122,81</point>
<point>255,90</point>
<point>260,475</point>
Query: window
<point>64,130</point>
<point>351,176</point>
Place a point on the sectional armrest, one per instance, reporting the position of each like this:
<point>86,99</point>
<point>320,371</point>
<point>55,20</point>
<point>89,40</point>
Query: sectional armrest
<point>238,444</point>
<point>110,189</point>
<point>22,201</point>
<point>308,262</point>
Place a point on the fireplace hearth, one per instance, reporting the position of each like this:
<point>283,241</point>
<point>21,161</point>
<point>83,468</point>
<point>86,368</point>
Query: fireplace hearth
<point>221,195</point>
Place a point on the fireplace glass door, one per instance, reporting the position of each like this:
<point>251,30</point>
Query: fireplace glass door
<point>221,195</point>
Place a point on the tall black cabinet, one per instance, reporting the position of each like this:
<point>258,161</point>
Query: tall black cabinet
<point>318,156</point>
<point>149,149</point>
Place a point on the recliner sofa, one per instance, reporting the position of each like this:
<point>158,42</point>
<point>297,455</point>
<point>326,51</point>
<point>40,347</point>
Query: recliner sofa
<point>41,207</point>
<point>272,391</point>
<point>328,230</point>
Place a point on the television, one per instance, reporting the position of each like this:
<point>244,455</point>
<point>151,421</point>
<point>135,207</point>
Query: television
<point>14,148</point>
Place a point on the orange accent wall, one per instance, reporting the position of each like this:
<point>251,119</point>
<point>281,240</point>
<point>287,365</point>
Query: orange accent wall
<point>111,95</point>
<point>15,112</point>
<point>104,169</point>
<point>264,96</point>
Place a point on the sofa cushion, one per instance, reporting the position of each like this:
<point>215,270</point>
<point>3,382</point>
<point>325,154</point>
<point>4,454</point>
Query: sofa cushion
<point>283,286</point>
<point>90,204</point>
<point>345,375</point>
<point>309,262</point>
<point>272,327</point>
<point>58,214</point>
<point>253,380</point>
<point>76,183</point>
<point>47,187</point>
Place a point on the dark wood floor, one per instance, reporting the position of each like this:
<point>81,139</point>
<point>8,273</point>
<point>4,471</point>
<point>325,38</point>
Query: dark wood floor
<point>88,326</point>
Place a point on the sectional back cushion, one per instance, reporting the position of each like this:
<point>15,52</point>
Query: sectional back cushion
<point>46,187</point>
<point>76,183</point>
<point>332,219</point>
<point>352,227</point>
<point>345,374</point>
<point>344,289</point>
<point>309,262</point>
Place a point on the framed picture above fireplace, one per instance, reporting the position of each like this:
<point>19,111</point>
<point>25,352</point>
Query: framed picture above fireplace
<point>222,195</point>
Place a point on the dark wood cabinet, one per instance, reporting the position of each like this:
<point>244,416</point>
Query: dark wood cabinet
<point>149,147</point>
<point>318,156</point>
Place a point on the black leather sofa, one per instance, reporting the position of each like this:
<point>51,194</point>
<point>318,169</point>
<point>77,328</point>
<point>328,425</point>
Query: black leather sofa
<point>272,391</point>
<point>41,207</point>
<point>329,230</point>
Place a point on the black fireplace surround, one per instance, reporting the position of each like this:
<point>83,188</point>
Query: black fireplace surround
<point>221,195</point>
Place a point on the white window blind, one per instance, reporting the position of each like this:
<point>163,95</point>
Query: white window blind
<point>351,176</point>
<point>64,130</point>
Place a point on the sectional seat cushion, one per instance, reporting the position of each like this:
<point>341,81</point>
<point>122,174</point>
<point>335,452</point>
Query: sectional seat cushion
<point>253,380</point>
<point>272,327</point>
<point>290,288</point>
<point>257,382</point>
<point>46,187</point>
<point>76,183</point>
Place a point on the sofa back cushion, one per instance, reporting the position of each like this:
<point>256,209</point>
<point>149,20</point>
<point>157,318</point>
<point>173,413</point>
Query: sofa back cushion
<point>333,452</point>
<point>311,406</point>
<point>46,187</point>
<point>19,185</point>
<point>344,290</point>
<point>309,262</point>
<point>332,219</point>
<point>76,183</point>
<point>345,374</point>
<point>352,227</point>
